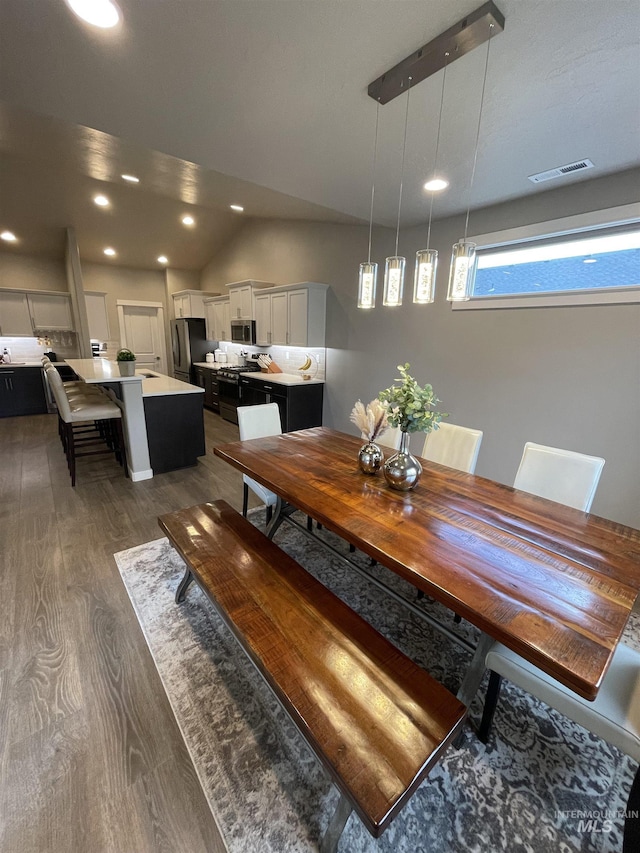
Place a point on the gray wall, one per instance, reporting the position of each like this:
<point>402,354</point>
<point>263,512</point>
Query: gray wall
<point>568,377</point>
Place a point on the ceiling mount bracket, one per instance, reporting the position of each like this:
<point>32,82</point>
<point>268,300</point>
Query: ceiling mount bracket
<point>461,38</point>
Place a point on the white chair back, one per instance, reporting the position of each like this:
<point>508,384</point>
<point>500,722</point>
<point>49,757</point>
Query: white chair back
<point>391,437</point>
<point>59,394</point>
<point>454,446</point>
<point>259,421</point>
<point>560,475</point>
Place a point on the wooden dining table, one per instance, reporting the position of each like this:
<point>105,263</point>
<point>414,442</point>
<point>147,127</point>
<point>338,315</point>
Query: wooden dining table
<point>554,584</point>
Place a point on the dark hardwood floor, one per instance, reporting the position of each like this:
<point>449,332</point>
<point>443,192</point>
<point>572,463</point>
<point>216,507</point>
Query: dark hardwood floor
<point>91,758</point>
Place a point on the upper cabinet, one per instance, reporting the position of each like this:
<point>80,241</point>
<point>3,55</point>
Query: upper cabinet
<point>292,315</point>
<point>190,303</point>
<point>217,318</point>
<point>241,297</point>
<point>50,312</point>
<point>15,320</point>
<point>25,314</point>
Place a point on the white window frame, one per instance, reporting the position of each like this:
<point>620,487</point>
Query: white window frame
<point>623,215</point>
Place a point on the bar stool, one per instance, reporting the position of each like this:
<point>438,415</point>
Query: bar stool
<point>75,415</point>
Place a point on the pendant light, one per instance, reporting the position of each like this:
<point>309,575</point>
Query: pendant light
<point>394,266</point>
<point>368,276</point>
<point>424,280</point>
<point>463,256</point>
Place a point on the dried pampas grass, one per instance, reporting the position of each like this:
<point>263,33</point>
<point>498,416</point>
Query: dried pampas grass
<point>372,420</point>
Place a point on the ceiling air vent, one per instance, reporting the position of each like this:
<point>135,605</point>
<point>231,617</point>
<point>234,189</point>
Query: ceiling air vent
<point>569,169</point>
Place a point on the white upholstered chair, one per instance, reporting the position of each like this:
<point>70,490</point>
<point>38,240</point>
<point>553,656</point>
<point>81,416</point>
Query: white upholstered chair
<point>258,422</point>
<point>614,715</point>
<point>454,446</point>
<point>572,478</point>
<point>560,475</point>
<point>391,437</point>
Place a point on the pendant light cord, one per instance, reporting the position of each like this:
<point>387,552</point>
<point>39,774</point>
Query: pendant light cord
<point>373,177</point>
<point>404,148</point>
<point>475,153</point>
<point>435,162</point>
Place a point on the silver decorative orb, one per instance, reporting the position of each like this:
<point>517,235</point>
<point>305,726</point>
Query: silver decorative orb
<point>370,458</point>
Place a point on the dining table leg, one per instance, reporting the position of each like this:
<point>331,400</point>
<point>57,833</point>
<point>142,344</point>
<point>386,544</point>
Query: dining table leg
<point>282,510</point>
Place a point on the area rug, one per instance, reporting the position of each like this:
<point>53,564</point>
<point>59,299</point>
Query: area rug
<point>541,785</point>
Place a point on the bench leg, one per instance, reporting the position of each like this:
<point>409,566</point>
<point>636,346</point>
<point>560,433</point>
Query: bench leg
<point>182,586</point>
<point>331,837</point>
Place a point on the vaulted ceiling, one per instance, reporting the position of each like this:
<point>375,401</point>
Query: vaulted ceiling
<point>264,103</point>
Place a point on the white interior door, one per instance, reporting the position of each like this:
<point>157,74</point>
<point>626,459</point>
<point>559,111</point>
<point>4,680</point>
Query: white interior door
<point>142,333</point>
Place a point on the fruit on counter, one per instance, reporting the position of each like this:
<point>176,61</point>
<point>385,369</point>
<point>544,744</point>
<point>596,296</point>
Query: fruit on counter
<point>306,365</point>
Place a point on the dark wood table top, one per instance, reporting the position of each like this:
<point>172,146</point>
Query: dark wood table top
<point>552,583</point>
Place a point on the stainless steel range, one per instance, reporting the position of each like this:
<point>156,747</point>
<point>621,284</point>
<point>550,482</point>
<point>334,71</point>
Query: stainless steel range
<point>229,389</point>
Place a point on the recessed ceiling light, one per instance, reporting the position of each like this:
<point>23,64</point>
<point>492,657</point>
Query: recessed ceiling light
<point>163,259</point>
<point>131,178</point>
<point>100,13</point>
<point>101,200</point>
<point>109,251</point>
<point>9,236</point>
<point>236,207</point>
<point>188,220</point>
<point>436,185</point>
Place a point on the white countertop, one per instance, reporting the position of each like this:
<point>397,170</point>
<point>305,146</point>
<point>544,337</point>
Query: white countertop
<point>165,386</point>
<point>211,365</point>
<point>94,370</point>
<point>21,364</point>
<point>279,378</point>
<point>286,379</point>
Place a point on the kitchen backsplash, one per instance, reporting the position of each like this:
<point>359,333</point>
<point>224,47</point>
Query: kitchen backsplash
<point>64,344</point>
<point>289,359</point>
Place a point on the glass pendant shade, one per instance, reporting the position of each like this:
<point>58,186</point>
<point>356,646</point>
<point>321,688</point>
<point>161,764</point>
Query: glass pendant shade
<point>393,281</point>
<point>367,285</point>
<point>463,271</point>
<point>424,281</point>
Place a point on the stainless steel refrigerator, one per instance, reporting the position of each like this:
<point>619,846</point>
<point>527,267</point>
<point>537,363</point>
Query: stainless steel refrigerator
<point>189,344</point>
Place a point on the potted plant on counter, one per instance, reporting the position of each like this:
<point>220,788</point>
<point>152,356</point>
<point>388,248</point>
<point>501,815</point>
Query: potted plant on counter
<point>126,362</point>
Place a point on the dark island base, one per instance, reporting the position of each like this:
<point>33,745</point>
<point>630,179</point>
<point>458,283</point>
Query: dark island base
<point>175,431</point>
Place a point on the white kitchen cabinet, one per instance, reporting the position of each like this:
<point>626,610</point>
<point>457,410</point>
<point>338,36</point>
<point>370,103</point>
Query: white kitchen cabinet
<point>97,315</point>
<point>240,302</point>
<point>298,319</point>
<point>24,313</point>
<point>291,315</point>
<point>217,318</point>
<point>242,296</point>
<point>15,320</point>
<point>50,312</point>
<point>190,303</point>
<point>262,309</point>
<point>272,317</point>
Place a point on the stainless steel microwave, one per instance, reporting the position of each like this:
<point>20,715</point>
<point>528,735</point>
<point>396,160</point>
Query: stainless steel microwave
<point>243,331</point>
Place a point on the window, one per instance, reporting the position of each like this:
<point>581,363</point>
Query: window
<point>597,263</point>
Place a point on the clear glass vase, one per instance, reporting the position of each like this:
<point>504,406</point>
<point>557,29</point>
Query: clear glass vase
<point>402,470</point>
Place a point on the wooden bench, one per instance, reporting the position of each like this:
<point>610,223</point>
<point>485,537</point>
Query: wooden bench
<point>375,720</point>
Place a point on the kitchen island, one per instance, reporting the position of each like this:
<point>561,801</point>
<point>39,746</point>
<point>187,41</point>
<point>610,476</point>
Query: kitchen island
<point>162,417</point>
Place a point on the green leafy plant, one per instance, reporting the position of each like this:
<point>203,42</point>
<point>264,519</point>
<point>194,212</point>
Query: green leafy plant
<point>409,406</point>
<point>125,355</point>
